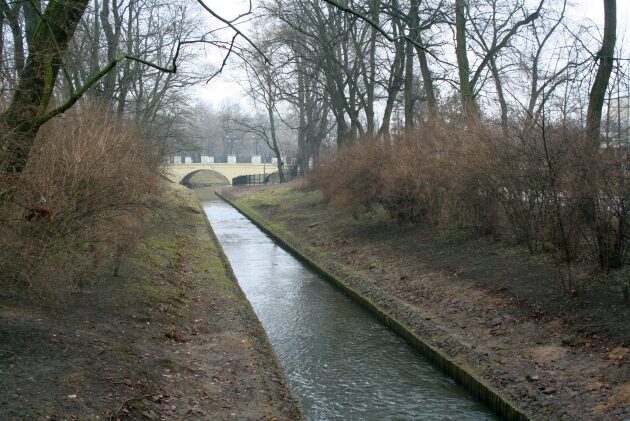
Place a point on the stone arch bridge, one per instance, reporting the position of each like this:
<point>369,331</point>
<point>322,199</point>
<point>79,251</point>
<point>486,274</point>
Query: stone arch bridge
<point>177,172</point>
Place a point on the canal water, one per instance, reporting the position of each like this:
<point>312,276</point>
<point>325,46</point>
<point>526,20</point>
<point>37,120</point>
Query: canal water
<point>341,362</point>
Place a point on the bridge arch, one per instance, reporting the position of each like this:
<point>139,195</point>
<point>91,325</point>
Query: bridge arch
<point>208,178</point>
<point>177,172</point>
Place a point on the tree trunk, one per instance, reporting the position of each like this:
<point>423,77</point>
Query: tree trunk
<point>344,136</point>
<point>607,254</point>
<point>124,85</point>
<point>606,62</point>
<point>427,78</point>
<point>109,81</point>
<point>409,94</point>
<point>32,13</point>
<point>11,12</point>
<point>303,154</point>
<point>272,129</point>
<point>21,120</point>
<point>1,42</point>
<point>500,95</point>
<point>369,109</point>
<point>393,87</point>
<point>469,105</point>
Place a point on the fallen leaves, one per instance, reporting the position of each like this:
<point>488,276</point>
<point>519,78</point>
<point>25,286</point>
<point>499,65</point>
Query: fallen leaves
<point>619,354</point>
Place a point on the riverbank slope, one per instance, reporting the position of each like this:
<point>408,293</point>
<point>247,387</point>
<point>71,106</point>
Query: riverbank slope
<point>171,337</point>
<point>496,312</point>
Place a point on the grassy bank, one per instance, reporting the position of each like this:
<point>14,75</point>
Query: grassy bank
<point>171,337</point>
<point>488,308</point>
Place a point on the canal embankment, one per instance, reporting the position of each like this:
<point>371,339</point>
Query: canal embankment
<point>169,336</point>
<point>461,303</point>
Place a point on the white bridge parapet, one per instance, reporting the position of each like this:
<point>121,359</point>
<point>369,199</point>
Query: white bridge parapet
<point>178,171</point>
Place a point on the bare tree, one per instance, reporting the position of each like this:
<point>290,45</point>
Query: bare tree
<point>49,40</point>
<point>28,108</point>
<point>263,87</point>
<point>606,60</point>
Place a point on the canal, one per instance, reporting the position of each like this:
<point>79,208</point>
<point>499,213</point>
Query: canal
<point>340,361</point>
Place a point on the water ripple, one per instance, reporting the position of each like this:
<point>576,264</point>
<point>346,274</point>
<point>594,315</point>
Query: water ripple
<point>341,362</point>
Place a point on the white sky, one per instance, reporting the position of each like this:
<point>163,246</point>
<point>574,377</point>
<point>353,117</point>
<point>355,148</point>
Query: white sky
<point>223,89</point>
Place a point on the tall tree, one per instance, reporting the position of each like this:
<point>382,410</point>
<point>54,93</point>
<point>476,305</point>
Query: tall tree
<point>605,59</point>
<point>263,86</point>
<point>466,87</point>
<point>28,107</point>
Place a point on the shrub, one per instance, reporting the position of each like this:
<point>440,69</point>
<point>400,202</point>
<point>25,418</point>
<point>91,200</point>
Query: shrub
<point>78,202</point>
<point>351,179</point>
<point>611,222</point>
<point>550,190</point>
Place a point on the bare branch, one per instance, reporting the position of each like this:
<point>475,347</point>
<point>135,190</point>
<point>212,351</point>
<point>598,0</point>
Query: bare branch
<point>225,59</point>
<point>234,28</point>
<point>376,26</point>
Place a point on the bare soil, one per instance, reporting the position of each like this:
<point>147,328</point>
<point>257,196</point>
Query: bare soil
<point>493,308</point>
<point>171,337</point>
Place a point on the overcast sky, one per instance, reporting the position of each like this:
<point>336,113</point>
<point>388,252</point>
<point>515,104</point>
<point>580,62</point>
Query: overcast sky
<point>224,89</point>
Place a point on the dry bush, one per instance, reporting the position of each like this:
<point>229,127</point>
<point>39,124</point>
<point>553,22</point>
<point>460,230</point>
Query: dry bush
<point>551,182</point>
<point>405,189</point>
<point>433,174</point>
<point>470,199</point>
<point>351,179</point>
<point>303,184</point>
<point>521,191</point>
<point>550,190</point>
<point>611,222</point>
<point>78,203</point>
<point>562,194</point>
<point>416,181</point>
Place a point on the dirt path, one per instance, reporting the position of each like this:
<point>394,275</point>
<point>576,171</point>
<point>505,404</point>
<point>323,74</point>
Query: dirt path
<point>491,308</point>
<point>172,337</point>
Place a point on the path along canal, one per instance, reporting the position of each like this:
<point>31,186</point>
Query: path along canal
<point>340,361</point>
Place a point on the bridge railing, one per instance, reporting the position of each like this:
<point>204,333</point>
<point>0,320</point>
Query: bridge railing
<point>249,180</point>
<point>257,179</point>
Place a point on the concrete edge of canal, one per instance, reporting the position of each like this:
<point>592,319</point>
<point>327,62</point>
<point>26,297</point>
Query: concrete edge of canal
<point>500,405</point>
<point>273,376</point>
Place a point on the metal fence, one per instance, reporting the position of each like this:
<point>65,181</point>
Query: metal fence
<point>257,179</point>
<point>249,180</point>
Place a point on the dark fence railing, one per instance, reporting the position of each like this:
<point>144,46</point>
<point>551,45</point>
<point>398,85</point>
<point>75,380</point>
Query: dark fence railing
<point>249,180</point>
<point>256,179</point>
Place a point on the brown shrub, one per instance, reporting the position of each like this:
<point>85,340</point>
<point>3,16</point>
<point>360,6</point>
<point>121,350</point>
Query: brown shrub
<point>78,202</point>
<point>433,174</point>
<point>611,222</point>
<point>351,179</point>
<point>416,181</point>
<point>550,190</point>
